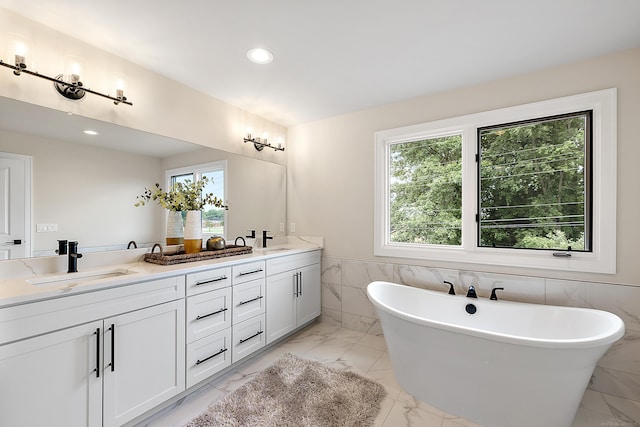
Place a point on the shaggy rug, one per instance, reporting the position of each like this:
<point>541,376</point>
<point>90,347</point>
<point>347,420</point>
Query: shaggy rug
<point>295,392</point>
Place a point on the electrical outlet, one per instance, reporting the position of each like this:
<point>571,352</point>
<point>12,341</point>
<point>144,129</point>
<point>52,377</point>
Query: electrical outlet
<point>46,228</point>
<point>282,227</point>
<point>292,227</point>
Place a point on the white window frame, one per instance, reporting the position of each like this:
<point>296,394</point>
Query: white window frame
<point>602,259</point>
<point>197,171</point>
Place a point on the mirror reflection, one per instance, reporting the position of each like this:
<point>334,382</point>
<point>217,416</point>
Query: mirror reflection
<point>84,187</point>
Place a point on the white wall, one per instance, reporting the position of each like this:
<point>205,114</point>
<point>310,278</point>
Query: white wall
<point>331,164</point>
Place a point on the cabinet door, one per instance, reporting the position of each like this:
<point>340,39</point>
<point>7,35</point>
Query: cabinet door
<point>52,380</point>
<point>280,295</point>
<point>143,360</point>
<point>308,301</point>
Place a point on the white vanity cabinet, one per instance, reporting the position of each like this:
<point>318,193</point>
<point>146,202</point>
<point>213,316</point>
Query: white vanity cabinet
<point>112,355</point>
<point>208,328</point>
<point>293,293</point>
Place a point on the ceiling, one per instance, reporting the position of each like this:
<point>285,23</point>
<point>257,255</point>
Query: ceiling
<point>339,56</point>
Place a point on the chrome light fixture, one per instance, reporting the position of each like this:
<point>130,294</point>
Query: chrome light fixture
<point>68,86</point>
<point>260,143</point>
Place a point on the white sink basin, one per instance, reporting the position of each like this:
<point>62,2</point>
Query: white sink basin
<point>269,250</point>
<point>73,278</point>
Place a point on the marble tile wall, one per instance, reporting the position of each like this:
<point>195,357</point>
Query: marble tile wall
<point>617,376</point>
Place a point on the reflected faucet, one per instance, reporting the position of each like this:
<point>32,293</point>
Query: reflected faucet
<point>62,247</point>
<point>264,238</point>
<point>73,257</point>
<point>132,243</point>
<point>471,293</point>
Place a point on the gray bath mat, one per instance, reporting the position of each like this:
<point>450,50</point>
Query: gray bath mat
<point>296,392</point>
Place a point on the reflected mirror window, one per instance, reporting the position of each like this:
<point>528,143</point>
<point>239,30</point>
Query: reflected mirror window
<point>213,218</point>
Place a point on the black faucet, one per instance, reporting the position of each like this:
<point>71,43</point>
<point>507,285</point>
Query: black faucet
<point>493,293</point>
<point>132,243</point>
<point>252,235</point>
<point>451,291</point>
<point>471,293</point>
<point>73,257</point>
<point>264,238</point>
<point>62,247</point>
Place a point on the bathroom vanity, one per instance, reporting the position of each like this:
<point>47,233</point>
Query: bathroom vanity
<point>113,343</point>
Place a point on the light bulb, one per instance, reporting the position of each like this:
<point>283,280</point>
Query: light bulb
<point>21,49</point>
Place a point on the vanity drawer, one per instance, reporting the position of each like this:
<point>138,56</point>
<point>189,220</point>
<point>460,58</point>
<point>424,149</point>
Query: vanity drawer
<point>248,337</point>
<point>208,313</point>
<point>207,356</point>
<point>209,280</point>
<point>248,300</point>
<point>249,271</point>
<point>292,262</point>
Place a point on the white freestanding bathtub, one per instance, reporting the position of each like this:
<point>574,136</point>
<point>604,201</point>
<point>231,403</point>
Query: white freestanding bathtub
<point>507,365</point>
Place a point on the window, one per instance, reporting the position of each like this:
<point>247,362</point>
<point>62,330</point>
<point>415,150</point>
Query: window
<point>425,191</point>
<point>213,218</point>
<point>534,184</point>
<point>530,186</point>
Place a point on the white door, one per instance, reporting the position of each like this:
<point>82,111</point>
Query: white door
<point>15,206</point>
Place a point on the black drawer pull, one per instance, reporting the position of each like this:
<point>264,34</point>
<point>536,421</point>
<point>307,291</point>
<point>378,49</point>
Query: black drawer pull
<point>211,281</point>
<point>113,347</point>
<point>250,272</point>
<point>251,300</point>
<point>222,350</point>
<point>222,310</point>
<point>251,337</point>
<point>98,338</point>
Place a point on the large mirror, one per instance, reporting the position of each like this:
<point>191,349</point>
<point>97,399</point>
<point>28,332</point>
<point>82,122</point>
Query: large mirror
<point>84,187</point>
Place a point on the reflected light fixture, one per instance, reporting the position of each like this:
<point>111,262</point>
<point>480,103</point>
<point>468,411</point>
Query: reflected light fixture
<point>260,143</point>
<point>68,86</point>
<point>260,55</point>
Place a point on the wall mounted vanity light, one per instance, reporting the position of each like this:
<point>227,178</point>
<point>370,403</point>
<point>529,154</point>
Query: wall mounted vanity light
<point>67,85</point>
<point>260,143</point>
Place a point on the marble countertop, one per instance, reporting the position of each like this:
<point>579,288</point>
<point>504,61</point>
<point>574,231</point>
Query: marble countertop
<point>35,279</point>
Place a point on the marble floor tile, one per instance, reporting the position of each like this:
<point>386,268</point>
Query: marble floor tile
<point>373,341</point>
<point>358,359</point>
<point>403,414</point>
<point>366,354</point>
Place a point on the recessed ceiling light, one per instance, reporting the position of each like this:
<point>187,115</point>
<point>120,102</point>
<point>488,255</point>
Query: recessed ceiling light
<point>260,56</point>
<point>90,132</point>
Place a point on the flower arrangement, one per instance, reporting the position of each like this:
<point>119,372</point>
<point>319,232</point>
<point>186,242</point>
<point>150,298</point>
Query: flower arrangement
<point>185,196</point>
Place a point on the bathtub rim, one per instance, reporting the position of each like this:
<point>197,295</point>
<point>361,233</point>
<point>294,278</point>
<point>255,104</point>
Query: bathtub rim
<point>605,339</point>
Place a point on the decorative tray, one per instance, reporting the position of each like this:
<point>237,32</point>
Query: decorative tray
<point>181,257</point>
